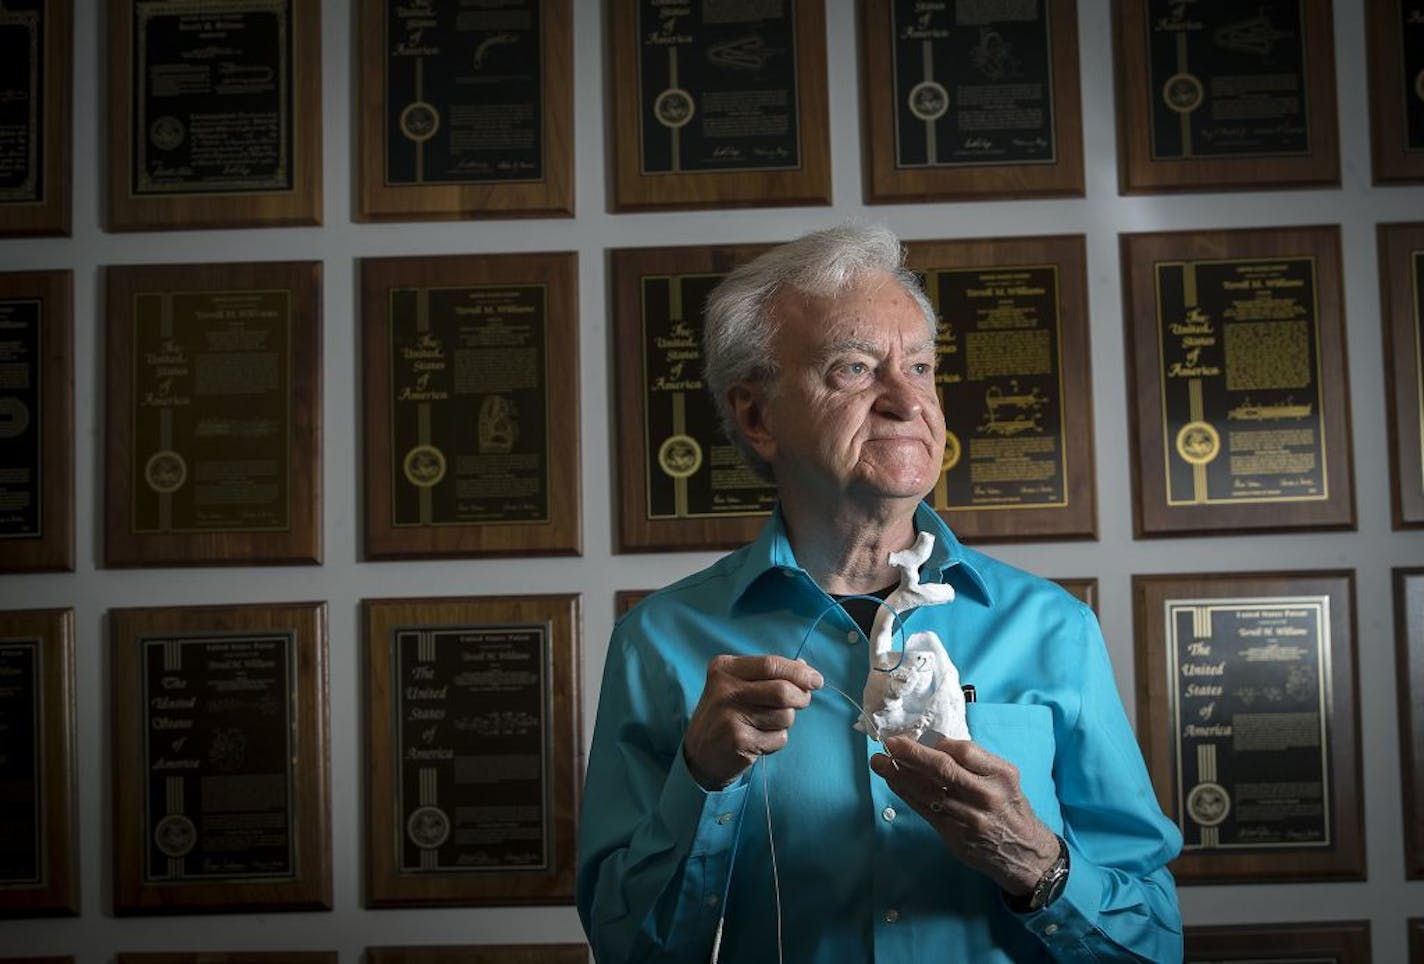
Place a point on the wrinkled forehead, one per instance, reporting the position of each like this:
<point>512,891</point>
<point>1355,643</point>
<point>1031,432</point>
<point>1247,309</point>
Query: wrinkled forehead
<point>874,309</point>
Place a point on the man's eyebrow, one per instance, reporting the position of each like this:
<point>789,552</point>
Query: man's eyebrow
<point>849,345</point>
<point>846,346</point>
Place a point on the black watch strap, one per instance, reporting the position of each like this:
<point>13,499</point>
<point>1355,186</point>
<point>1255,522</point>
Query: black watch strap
<point>1049,886</point>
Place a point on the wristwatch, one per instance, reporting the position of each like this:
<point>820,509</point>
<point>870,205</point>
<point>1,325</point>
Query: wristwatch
<point>1049,886</point>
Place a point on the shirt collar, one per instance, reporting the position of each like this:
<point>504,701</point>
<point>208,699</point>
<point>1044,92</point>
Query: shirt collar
<point>949,562</point>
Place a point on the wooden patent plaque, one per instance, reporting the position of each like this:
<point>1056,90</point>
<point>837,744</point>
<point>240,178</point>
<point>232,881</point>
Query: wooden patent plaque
<point>1247,715</point>
<point>1401,265</point>
<point>213,447</point>
<point>1306,942</point>
<point>956,111</point>
<point>471,405</point>
<point>465,113</point>
<point>480,954</point>
<point>1225,97</point>
<point>37,48</point>
<point>1237,377</point>
<point>1416,940</point>
<point>214,114</point>
<point>1085,590</point>
<point>682,484</point>
<point>37,421</point>
<point>625,599</point>
<point>1409,663</point>
<point>718,106</point>
<point>221,759</point>
<point>474,748</point>
<point>1395,41</point>
<point>39,830</point>
<point>1014,381</point>
<point>231,957</point>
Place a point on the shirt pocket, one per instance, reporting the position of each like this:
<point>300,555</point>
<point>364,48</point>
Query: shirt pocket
<point>1022,733</point>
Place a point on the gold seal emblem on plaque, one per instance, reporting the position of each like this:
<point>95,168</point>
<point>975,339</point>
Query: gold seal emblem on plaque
<point>952,451</point>
<point>424,466</point>
<point>167,132</point>
<point>1198,442</point>
<point>14,417</point>
<point>1208,804</point>
<point>165,471</point>
<point>175,835</point>
<point>1183,93</point>
<point>419,121</point>
<point>428,827</point>
<point>928,100</point>
<point>680,456</point>
<point>674,108</point>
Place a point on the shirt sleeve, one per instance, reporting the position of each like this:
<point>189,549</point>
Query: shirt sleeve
<point>1120,902</point>
<point>655,848</point>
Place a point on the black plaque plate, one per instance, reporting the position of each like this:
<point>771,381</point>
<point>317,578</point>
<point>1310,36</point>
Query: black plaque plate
<point>1239,346</point>
<point>219,751</point>
<point>213,388</point>
<point>1000,382</point>
<point>21,420</point>
<point>1249,703</point>
<point>462,355</point>
<point>22,811</point>
<point>973,84</point>
<point>213,106</point>
<point>691,470</point>
<point>718,87</point>
<point>1227,79</point>
<point>1411,38</point>
<point>472,707</point>
<point>22,115</point>
<point>463,93</point>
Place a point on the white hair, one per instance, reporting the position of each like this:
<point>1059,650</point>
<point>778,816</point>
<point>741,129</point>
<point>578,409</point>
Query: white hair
<point>738,326</point>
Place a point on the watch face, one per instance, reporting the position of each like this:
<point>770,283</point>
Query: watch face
<point>1058,880</point>
<point>1054,881</point>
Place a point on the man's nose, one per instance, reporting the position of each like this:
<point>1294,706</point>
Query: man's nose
<point>897,397</point>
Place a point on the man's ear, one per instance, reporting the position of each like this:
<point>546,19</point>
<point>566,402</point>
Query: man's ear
<point>747,401</point>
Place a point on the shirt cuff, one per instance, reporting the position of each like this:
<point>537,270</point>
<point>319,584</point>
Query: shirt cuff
<point>1064,924</point>
<point>705,821</point>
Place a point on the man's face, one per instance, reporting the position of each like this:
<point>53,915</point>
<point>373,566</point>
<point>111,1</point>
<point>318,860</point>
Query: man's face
<point>854,412</point>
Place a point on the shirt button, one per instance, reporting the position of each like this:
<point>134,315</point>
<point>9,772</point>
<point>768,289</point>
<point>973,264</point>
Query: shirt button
<point>852,637</point>
<point>712,900</point>
<point>888,814</point>
<point>892,915</point>
<point>724,818</point>
<point>1050,930</point>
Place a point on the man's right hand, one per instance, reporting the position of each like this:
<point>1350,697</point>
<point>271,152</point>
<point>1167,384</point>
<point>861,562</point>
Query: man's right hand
<point>747,706</point>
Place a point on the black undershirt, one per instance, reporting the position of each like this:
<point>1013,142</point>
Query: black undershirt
<point>863,610</point>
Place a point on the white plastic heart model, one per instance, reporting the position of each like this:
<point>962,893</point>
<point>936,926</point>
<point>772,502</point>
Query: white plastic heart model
<point>921,693</point>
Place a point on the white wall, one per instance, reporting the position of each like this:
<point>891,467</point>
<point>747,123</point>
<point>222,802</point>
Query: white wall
<point>1385,898</point>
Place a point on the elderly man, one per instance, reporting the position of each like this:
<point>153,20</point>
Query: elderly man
<point>1038,838</point>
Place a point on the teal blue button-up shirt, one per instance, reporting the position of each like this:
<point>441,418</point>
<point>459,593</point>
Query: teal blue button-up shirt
<point>862,876</point>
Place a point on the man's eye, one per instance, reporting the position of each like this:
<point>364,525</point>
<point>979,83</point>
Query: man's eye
<point>922,368</point>
<point>855,368</point>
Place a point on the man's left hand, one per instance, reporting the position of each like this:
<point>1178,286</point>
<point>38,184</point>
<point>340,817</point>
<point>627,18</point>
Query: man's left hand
<point>973,799</point>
